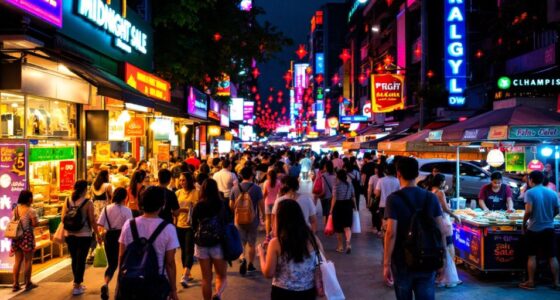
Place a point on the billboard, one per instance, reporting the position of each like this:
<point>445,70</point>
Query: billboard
<point>455,53</point>
<point>214,110</point>
<point>236,109</point>
<point>224,116</point>
<point>387,93</point>
<point>49,11</point>
<point>197,104</point>
<point>147,83</point>
<point>224,86</point>
<point>248,109</point>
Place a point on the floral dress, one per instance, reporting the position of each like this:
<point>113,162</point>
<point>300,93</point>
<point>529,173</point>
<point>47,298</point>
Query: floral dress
<point>26,242</point>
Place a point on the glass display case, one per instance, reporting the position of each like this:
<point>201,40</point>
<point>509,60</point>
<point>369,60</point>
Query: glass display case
<point>12,111</point>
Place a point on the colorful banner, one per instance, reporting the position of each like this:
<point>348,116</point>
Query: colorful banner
<point>163,152</point>
<point>455,54</point>
<point>67,175</point>
<point>515,162</point>
<point>51,153</point>
<point>103,152</point>
<point>13,166</point>
<point>135,127</point>
<point>224,86</point>
<point>387,92</point>
<point>147,83</point>
<point>248,110</point>
<point>534,132</point>
<point>214,110</point>
<point>197,104</point>
<point>49,11</point>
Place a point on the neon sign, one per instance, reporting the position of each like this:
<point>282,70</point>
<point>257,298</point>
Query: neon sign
<point>455,56</point>
<point>127,36</point>
<point>47,10</point>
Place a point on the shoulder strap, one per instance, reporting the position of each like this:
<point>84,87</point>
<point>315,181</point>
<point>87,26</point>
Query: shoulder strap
<point>327,182</point>
<point>316,248</point>
<point>134,230</point>
<point>407,202</point>
<point>83,203</point>
<point>16,214</point>
<point>156,232</point>
<point>107,217</point>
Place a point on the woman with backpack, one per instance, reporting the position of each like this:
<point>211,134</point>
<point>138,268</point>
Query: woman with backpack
<point>101,192</point>
<point>208,219</point>
<point>187,196</point>
<point>23,246</point>
<point>270,193</point>
<point>291,257</point>
<point>342,208</point>
<point>137,184</point>
<point>111,221</point>
<point>80,224</point>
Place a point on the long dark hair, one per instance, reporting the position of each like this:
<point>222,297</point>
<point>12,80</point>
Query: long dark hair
<point>209,194</point>
<point>342,176</point>
<point>292,231</point>
<point>80,187</point>
<point>102,177</point>
<point>273,177</point>
<point>189,179</point>
<point>137,177</point>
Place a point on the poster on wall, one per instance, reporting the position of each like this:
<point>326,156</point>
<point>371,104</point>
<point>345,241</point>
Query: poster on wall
<point>103,152</point>
<point>387,92</point>
<point>135,127</point>
<point>67,175</point>
<point>163,152</point>
<point>515,162</point>
<point>13,180</point>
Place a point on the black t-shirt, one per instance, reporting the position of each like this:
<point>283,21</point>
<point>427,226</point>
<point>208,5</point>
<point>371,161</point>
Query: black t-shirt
<point>368,169</point>
<point>397,209</point>
<point>171,204</point>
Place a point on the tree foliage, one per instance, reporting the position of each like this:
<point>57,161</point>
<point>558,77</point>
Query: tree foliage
<point>198,41</point>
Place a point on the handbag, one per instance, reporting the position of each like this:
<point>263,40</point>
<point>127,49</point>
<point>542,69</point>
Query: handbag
<point>356,226</point>
<point>232,243</point>
<point>332,288</point>
<point>58,236</point>
<point>329,227</point>
<point>318,186</point>
<point>100,257</point>
<point>14,230</point>
<point>318,275</point>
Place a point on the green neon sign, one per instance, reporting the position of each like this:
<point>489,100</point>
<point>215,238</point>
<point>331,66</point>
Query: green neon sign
<point>504,83</point>
<point>51,153</point>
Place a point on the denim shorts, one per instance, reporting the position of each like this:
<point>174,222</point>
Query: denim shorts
<point>215,252</point>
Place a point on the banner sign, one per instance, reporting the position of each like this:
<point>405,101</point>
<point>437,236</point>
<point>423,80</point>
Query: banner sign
<point>531,83</point>
<point>163,152</point>
<point>49,11</point>
<point>455,54</point>
<point>13,180</point>
<point>197,104</point>
<point>51,153</point>
<point>387,93</point>
<point>236,109</point>
<point>147,83</point>
<point>103,152</point>
<point>224,86</point>
<point>214,110</point>
<point>353,119</point>
<point>498,133</point>
<point>535,165</point>
<point>135,127</point>
<point>248,110</point>
<point>534,132</point>
<point>67,175</point>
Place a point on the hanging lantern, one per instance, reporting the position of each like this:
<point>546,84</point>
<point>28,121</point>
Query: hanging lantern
<point>362,78</point>
<point>255,73</point>
<point>388,60</point>
<point>217,37</point>
<point>301,52</point>
<point>430,74</point>
<point>345,55</point>
<point>319,78</point>
<point>380,68</point>
<point>253,90</point>
<point>288,77</point>
<point>495,158</point>
<point>335,79</point>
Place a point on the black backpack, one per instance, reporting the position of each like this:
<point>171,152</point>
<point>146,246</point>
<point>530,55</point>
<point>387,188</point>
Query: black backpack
<point>139,276</point>
<point>210,231</point>
<point>73,220</point>
<point>423,246</point>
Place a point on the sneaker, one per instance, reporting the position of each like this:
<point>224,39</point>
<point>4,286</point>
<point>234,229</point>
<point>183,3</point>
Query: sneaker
<point>251,269</point>
<point>185,282</point>
<point>243,268</point>
<point>105,292</point>
<point>78,290</point>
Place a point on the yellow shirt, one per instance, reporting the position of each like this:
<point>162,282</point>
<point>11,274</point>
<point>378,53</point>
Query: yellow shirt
<point>187,199</point>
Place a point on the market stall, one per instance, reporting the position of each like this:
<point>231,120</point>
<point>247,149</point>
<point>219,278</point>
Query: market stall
<point>492,241</point>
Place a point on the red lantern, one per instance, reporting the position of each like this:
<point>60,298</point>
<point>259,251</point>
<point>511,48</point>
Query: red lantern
<point>217,37</point>
<point>335,79</point>
<point>363,79</point>
<point>288,77</point>
<point>255,73</point>
<point>270,98</point>
<point>479,54</point>
<point>345,55</point>
<point>253,89</point>
<point>279,100</point>
<point>319,78</point>
<point>301,52</point>
<point>280,93</point>
<point>388,60</point>
<point>380,68</point>
<point>430,74</point>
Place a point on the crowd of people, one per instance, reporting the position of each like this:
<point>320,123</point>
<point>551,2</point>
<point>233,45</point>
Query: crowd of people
<point>187,204</point>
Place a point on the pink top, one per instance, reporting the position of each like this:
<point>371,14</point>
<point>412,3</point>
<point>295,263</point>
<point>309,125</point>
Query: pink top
<point>272,192</point>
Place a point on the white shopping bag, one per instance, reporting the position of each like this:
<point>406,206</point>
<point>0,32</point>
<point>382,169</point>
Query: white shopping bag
<point>356,226</point>
<point>332,288</point>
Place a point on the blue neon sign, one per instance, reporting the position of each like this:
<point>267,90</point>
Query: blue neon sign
<point>319,63</point>
<point>455,52</point>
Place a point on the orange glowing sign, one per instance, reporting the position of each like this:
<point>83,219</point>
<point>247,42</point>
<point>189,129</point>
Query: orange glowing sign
<point>147,83</point>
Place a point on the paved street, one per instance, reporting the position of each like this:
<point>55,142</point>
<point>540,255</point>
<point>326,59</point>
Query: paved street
<point>359,274</point>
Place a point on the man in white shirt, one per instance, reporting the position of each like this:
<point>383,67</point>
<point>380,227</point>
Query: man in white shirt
<point>166,242</point>
<point>305,202</point>
<point>226,179</point>
<point>385,187</point>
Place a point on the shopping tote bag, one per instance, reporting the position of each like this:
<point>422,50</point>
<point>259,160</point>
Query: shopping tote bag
<point>332,288</point>
<point>100,258</point>
<point>356,226</point>
<point>58,236</point>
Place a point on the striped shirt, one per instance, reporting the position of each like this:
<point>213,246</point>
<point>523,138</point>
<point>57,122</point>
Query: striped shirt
<point>344,191</point>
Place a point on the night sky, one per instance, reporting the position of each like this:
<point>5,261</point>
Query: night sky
<point>292,17</point>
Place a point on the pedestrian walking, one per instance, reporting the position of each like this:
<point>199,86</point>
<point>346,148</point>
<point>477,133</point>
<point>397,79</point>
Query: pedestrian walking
<point>247,205</point>
<point>137,184</point>
<point>80,224</point>
<point>24,245</point>
<point>328,181</point>
<point>111,221</point>
<point>101,193</point>
<point>385,187</point>
<point>291,187</point>
<point>409,278</point>
<point>354,178</point>
<point>291,257</point>
<point>373,200</point>
<point>271,189</point>
<point>342,208</point>
<point>541,206</point>
<point>170,208</point>
<point>208,219</point>
<point>447,276</point>
<point>187,196</point>
<point>148,229</point>
<point>225,179</point>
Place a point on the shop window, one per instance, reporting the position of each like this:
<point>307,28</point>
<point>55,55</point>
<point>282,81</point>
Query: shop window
<point>51,118</point>
<point>12,108</point>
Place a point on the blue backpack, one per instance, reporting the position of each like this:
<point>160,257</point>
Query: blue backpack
<point>139,276</point>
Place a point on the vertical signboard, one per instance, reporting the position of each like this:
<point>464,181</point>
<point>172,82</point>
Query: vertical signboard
<point>455,52</point>
<point>319,63</point>
<point>13,166</point>
<point>236,109</point>
<point>67,175</point>
<point>248,109</point>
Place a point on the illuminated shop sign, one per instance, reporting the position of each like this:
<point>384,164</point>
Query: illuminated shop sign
<point>47,10</point>
<point>147,83</point>
<point>354,8</point>
<point>455,54</point>
<point>214,110</point>
<point>127,36</point>
<point>519,83</point>
<point>353,119</point>
<point>197,104</point>
<point>387,93</point>
<point>319,63</point>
